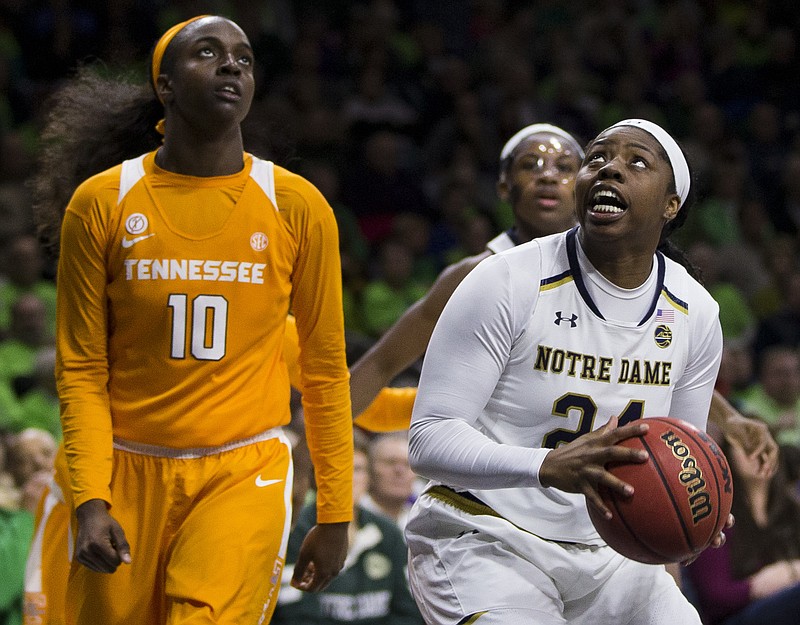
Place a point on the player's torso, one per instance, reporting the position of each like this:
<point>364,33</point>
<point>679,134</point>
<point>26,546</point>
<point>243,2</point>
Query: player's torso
<point>193,305</point>
<point>570,370</point>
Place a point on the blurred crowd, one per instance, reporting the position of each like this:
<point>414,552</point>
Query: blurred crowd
<point>397,111</point>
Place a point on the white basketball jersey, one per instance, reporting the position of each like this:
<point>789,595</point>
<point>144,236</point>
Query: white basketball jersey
<point>524,354</point>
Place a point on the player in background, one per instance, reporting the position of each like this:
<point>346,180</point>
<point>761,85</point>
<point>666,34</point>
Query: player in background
<point>524,395</point>
<point>175,275</point>
<point>537,176</point>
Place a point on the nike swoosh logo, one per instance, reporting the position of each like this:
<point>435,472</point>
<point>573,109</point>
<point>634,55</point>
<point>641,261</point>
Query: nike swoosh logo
<point>126,242</point>
<point>262,483</point>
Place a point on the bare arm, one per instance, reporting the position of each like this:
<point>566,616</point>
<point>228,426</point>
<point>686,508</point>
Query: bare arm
<point>407,339</point>
<point>751,435</point>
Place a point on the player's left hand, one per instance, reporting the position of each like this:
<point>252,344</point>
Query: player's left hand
<point>321,556</point>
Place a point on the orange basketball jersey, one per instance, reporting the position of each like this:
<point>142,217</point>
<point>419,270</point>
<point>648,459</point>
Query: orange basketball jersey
<point>173,297</point>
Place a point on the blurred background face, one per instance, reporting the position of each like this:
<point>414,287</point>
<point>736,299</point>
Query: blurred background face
<point>360,475</point>
<point>540,183</point>
<point>31,451</point>
<point>392,478</point>
<point>780,376</point>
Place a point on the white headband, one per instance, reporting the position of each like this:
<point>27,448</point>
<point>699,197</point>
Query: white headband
<point>680,168</point>
<point>533,129</point>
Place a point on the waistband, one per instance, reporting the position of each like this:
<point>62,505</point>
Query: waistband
<point>193,452</point>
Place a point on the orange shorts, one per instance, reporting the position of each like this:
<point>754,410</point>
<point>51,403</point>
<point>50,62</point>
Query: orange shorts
<point>48,561</point>
<point>207,529</point>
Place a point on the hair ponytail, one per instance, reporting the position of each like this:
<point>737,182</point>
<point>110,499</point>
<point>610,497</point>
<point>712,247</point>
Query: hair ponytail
<point>94,122</point>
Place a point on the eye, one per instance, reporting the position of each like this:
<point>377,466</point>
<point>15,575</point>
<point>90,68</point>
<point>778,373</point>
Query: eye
<point>639,162</point>
<point>246,59</point>
<point>596,157</point>
<point>567,167</point>
<point>206,52</point>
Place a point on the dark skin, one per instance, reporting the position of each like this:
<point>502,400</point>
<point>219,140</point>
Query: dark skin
<point>207,87</point>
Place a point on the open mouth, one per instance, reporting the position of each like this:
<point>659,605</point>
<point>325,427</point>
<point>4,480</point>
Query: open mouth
<point>229,92</point>
<point>607,202</point>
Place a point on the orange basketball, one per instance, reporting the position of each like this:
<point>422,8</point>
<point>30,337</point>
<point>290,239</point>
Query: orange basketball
<point>683,495</point>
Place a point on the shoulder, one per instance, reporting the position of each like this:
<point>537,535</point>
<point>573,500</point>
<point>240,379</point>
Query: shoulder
<point>101,184</point>
<point>687,291</point>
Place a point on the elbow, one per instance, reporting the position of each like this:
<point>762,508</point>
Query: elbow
<point>414,448</point>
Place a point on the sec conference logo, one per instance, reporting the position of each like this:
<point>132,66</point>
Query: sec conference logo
<point>259,241</point>
<point>663,336</point>
<point>136,223</point>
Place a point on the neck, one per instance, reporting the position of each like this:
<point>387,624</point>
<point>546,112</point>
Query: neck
<point>205,156</point>
<point>627,267</point>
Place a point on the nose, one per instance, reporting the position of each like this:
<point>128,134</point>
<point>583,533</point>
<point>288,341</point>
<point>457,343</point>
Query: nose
<point>610,170</point>
<point>228,64</point>
<point>546,170</point>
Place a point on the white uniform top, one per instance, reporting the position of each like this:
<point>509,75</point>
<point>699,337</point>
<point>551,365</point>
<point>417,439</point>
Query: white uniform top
<point>524,358</point>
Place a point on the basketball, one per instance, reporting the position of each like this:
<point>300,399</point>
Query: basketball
<point>682,495</point>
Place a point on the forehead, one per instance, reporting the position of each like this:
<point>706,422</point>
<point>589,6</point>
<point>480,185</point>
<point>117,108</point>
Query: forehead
<point>209,27</point>
<point>629,137</point>
<point>541,143</point>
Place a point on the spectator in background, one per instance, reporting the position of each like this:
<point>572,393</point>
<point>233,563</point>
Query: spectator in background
<point>738,321</point>
<point>783,326</point>
<point>775,396</point>
<point>23,269</point>
<point>735,371</point>
<point>387,296</point>
<point>754,578</point>
<point>392,483</point>
<point>16,531</point>
<point>372,588</point>
<point>27,335</point>
<point>414,230</point>
<point>781,261</point>
<point>381,182</point>
<point>786,215</point>
<point>31,461</point>
<point>37,396</point>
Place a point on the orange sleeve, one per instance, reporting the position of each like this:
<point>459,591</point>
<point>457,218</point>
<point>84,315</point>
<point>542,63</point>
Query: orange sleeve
<point>81,331</point>
<point>390,410</point>
<point>291,352</point>
<point>317,307</point>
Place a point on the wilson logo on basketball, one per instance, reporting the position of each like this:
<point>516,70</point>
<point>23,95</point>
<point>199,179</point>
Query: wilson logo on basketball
<point>691,476</point>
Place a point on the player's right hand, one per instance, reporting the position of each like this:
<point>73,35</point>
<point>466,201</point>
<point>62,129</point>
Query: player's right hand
<point>101,544</point>
<point>580,466</point>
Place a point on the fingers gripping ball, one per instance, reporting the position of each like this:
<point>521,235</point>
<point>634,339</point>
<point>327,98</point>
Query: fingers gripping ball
<point>683,495</point>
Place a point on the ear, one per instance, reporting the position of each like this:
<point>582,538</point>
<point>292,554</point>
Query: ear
<point>502,188</point>
<point>673,206</point>
<point>164,87</point>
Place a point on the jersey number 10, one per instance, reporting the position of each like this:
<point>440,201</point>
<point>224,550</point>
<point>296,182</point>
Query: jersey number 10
<point>207,327</point>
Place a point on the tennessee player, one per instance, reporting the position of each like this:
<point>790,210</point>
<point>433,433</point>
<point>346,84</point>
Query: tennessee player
<point>176,271</point>
<point>49,556</point>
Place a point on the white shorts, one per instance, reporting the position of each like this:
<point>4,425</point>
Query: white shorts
<point>468,565</point>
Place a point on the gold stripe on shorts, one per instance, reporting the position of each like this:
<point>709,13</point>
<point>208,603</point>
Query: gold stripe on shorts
<point>461,501</point>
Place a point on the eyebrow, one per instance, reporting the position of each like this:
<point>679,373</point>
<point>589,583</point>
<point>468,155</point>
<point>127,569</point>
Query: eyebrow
<point>217,40</point>
<point>632,144</point>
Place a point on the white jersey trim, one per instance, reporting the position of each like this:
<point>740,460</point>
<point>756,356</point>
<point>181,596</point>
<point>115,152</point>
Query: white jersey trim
<point>263,172</point>
<point>132,172</point>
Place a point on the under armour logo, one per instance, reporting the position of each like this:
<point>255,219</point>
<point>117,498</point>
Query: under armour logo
<point>573,319</point>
